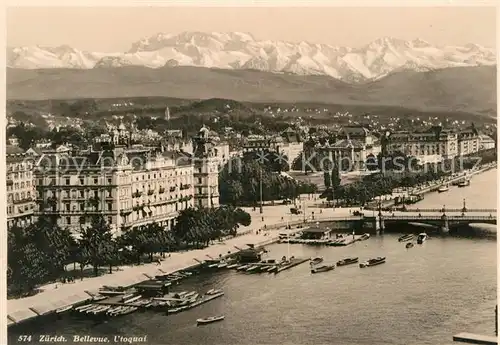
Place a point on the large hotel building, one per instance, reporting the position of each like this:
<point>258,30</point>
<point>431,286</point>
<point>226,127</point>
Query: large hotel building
<point>131,185</point>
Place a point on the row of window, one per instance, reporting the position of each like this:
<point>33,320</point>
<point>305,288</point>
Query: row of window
<point>19,166</point>
<point>20,175</point>
<point>11,197</point>
<point>18,185</point>
<point>20,209</point>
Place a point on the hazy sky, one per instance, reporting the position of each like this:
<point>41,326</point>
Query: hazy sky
<point>109,29</point>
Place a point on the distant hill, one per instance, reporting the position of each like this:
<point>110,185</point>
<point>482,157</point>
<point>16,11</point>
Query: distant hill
<point>465,89</point>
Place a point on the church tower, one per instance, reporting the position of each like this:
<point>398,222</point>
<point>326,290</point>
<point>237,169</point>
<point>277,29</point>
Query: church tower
<point>206,174</point>
<point>167,114</point>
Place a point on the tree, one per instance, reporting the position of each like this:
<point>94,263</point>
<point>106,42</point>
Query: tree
<point>95,242</point>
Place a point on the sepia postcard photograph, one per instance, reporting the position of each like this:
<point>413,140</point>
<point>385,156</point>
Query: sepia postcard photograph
<point>254,173</point>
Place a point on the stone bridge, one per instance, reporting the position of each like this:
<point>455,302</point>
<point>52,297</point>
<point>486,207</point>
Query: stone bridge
<point>444,222</point>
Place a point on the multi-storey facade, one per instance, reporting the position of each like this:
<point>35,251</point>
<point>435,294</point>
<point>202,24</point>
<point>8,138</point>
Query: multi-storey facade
<point>20,190</point>
<point>129,185</point>
<point>486,142</point>
<point>288,144</point>
<point>206,173</point>
<point>428,146</point>
<point>350,147</point>
<point>468,141</point>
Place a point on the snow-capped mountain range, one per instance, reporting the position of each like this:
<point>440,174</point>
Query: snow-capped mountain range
<point>237,50</point>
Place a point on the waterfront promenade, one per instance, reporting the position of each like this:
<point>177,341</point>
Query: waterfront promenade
<point>56,295</point>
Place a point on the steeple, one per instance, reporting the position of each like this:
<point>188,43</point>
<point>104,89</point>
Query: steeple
<point>167,114</point>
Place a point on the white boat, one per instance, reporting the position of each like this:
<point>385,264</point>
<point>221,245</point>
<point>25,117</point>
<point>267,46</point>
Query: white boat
<point>373,262</point>
<point>208,320</point>
<point>242,267</point>
<point>422,237</point>
<point>272,268</point>
<point>364,237</point>
<point>63,309</point>
<point>322,268</point>
<point>222,265</point>
<point>316,261</point>
<point>253,268</point>
<point>443,188</point>
<point>84,307</point>
<point>213,292</point>
<point>189,294</point>
<point>406,238</point>
<point>464,183</point>
<point>233,266</point>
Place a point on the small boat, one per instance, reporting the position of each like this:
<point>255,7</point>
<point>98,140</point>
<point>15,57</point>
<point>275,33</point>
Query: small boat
<point>63,309</point>
<point>409,245</point>
<point>253,268</point>
<point>316,261</point>
<point>83,307</point>
<point>243,267</point>
<point>422,237</point>
<point>322,268</point>
<point>347,261</point>
<point>405,238</point>
<point>213,292</point>
<point>272,268</point>
<point>98,298</point>
<point>210,319</point>
<point>364,237</point>
<point>464,183</point>
<point>222,265</point>
<point>373,262</point>
<point>443,188</point>
<point>189,294</point>
<point>233,266</point>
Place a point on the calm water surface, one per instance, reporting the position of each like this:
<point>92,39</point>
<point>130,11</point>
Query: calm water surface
<point>422,295</point>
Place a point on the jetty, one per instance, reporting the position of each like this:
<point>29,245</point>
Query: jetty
<point>291,263</point>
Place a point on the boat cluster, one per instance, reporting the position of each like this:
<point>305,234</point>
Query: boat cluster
<point>318,266</point>
<point>421,238</point>
<point>131,302</point>
<point>342,241</point>
<point>268,266</point>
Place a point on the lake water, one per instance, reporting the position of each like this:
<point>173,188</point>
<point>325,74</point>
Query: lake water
<point>422,295</point>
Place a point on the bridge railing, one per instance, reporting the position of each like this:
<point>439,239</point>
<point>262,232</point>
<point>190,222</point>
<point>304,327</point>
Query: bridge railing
<point>470,210</point>
<point>463,218</point>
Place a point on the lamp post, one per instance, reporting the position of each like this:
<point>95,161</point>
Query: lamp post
<point>260,187</point>
<point>304,209</point>
<point>464,209</point>
<point>444,210</point>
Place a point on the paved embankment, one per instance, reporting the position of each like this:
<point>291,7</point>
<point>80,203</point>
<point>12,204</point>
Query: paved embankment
<point>57,295</point>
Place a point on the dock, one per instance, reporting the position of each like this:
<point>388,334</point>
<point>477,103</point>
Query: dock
<point>292,263</point>
<point>471,338</point>
<point>203,300</point>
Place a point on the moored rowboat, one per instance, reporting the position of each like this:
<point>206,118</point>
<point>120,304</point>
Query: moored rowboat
<point>208,320</point>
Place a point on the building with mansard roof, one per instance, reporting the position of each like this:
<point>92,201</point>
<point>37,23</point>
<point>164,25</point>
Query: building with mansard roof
<point>130,185</point>
<point>20,190</point>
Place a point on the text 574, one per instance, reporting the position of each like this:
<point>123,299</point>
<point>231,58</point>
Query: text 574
<point>24,338</point>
